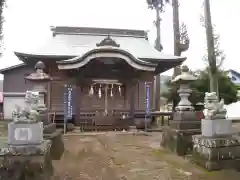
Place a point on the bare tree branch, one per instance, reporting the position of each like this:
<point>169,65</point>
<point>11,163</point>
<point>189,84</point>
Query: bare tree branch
<point>219,53</point>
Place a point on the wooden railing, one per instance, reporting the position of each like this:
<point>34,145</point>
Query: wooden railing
<point>92,120</point>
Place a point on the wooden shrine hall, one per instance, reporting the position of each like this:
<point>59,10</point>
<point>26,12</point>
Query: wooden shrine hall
<point>107,68</point>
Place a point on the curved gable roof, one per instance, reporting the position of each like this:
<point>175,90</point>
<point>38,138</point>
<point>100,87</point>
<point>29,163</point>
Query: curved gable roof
<point>73,41</point>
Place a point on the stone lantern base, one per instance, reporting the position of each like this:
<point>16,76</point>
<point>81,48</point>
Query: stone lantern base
<point>216,153</point>
<point>178,137</point>
<point>185,120</point>
<point>50,132</point>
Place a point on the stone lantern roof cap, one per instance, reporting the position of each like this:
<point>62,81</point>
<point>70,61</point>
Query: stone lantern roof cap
<point>40,65</point>
<point>185,75</point>
<point>39,75</point>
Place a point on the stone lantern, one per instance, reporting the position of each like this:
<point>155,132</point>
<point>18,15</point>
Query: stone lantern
<point>183,80</point>
<point>184,116</point>
<point>184,124</point>
<point>39,80</point>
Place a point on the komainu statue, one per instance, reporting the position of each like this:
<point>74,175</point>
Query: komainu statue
<point>213,108</point>
<point>29,112</point>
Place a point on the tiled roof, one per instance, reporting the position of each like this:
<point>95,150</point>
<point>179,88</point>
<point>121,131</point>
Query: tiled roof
<point>77,44</point>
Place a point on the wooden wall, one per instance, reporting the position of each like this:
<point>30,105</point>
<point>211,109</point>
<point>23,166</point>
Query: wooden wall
<point>86,102</point>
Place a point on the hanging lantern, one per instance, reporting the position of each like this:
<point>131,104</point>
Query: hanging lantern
<point>91,91</point>
<point>100,91</point>
<point>111,93</point>
<point>119,89</point>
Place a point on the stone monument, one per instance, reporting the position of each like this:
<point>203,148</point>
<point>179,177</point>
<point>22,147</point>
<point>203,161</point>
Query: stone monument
<point>218,146</point>
<point>25,154</point>
<point>39,81</point>
<point>178,136</point>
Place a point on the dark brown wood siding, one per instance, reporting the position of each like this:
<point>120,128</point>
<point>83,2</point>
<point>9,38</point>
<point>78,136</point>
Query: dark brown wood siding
<point>14,79</point>
<point>56,89</point>
<point>87,102</point>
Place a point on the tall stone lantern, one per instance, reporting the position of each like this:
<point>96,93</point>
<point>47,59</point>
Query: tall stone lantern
<point>39,80</point>
<point>184,124</point>
<point>184,116</point>
<point>183,80</point>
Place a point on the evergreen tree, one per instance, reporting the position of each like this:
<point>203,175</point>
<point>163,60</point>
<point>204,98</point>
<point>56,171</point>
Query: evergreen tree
<point>227,90</point>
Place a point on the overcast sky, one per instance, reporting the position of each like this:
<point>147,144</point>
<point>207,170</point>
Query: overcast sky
<point>27,24</point>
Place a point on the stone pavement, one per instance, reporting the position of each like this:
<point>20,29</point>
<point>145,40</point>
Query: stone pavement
<point>111,156</point>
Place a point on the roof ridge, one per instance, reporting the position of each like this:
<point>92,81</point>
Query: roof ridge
<point>97,31</point>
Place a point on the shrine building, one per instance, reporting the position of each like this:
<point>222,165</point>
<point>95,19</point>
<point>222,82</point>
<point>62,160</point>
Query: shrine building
<point>107,69</point>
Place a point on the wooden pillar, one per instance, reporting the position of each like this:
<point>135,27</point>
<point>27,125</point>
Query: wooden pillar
<point>77,102</point>
<point>76,98</point>
<point>157,93</point>
<point>132,102</point>
<point>48,104</point>
<point>132,99</point>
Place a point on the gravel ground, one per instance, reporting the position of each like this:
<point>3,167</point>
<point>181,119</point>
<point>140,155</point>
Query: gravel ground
<point>113,157</point>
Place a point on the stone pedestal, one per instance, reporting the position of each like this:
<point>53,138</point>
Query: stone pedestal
<point>25,162</point>
<point>51,133</point>
<point>215,153</point>
<point>185,120</point>
<point>25,133</point>
<point>217,147</point>
<point>178,137</point>
<point>214,128</point>
<point>178,141</point>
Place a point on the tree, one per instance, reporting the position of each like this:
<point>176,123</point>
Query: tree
<point>218,53</point>
<point>181,39</point>
<point>212,70</point>
<point>227,90</point>
<point>180,35</point>
<point>2,5</point>
<point>159,7</point>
